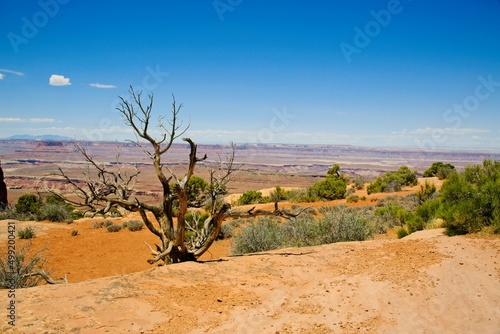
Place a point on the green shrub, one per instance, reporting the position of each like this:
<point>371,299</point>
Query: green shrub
<point>8,213</point>
<point>26,233</point>
<point>429,210</point>
<point>393,181</point>
<point>277,195</point>
<point>196,187</point>
<point>113,227</point>
<point>301,196</point>
<point>15,268</point>
<point>226,231</point>
<point>54,212</point>
<point>302,231</point>
<point>359,182</point>
<point>392,214</point>
<point>426,192</point>
<point>471,199</point>
<point>97,224</point>
<point>338,224</point>
<point>329,189</point>
<point>352,199</point>
<point>74,233</point>
<point>263,235</point>
<point>252,197</point>
<point>76,214</point>
<point>439,169</point>
<point>341,223</point>
<point>133,225</point>
<point>28,204</point>
<point>415,223</point>
<point>401,233</point>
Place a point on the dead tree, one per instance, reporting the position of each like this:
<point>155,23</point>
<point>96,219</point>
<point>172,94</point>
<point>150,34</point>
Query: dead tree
<point>114,188</point>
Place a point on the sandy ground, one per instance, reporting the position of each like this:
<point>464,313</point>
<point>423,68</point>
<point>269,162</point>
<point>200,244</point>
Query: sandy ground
<point>427,283</point>
<point>424,283</point>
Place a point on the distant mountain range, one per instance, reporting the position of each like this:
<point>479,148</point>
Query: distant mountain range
<point>39,137</point>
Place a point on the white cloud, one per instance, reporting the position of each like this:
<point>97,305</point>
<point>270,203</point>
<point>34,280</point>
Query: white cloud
<point>41,120</point>
<point>11,120</point>
<point>98,85</point>
<point>439,131</point>
<point>10,72</point>
<point>58,80</point>
<point>449,131</point>
<point>29,120</point>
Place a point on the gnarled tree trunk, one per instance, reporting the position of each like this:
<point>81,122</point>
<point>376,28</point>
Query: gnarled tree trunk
<point>114,188</point>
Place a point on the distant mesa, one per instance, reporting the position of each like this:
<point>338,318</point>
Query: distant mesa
<point>40,137</point>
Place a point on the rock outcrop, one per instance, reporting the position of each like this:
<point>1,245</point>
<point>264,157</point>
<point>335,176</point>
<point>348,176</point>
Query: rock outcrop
<point>3,191</point>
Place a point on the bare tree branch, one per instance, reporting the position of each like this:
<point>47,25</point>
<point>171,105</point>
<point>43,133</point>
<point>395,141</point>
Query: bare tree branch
<point>46,277</point>
<point>104,187</point>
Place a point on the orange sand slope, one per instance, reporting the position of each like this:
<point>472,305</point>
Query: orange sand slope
<point>426,283</point>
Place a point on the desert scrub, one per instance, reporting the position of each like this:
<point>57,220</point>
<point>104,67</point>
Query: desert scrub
<point>260,236</point>
<point>28,204</point>
<point>8,213</point>
<point>338,224</point>
<point>301,231</point>
<point>341,223</point>
<point>252,197</point>
<point>352,199</point>
<point>350,191</point>
<point>226,231</point>
<point>74,233</point>
<point>26,233</point>
<point>133,225</point>
<point>401,233</point>
<point>54,212</point>
<point>102,224</point>
<point>16,269</point>
<point>114,227</point>
<point>231,229</point>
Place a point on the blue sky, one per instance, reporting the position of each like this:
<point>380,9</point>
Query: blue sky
<point>373,73</point>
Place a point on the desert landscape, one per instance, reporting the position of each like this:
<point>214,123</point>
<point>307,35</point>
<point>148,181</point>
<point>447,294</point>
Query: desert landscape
<point>231,166</point>
<point>424,283</point>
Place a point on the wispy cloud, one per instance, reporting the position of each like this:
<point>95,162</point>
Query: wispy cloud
<point>58,80</point>
<point>448,131</point>
<point>10,72</point>
<point>10,120</point>
<point>41,120</point>
<point>28,120</point>
<point>98,85</point>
